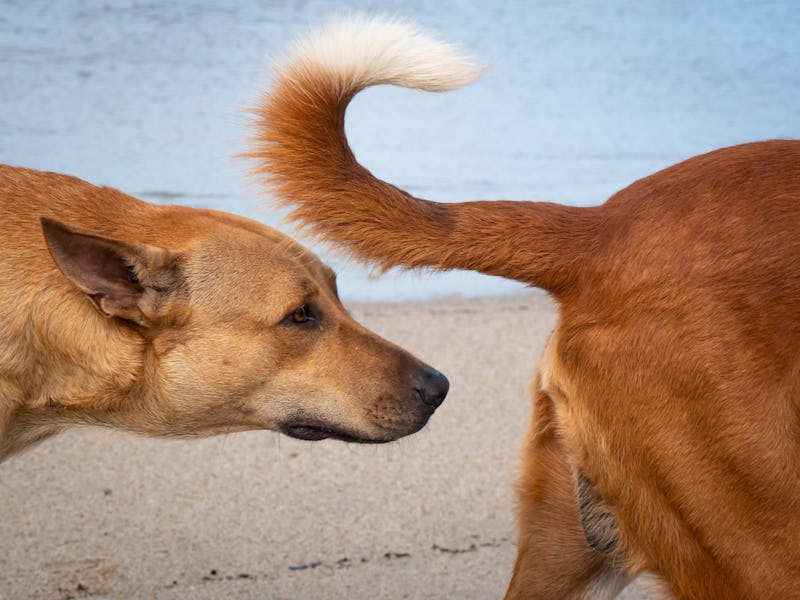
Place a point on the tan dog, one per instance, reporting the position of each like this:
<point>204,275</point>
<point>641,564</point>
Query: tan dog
<point>173,321</point>
<point>666,409</point>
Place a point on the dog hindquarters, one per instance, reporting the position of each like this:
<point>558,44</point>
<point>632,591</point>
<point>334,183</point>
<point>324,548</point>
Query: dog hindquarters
<point>554,559</point>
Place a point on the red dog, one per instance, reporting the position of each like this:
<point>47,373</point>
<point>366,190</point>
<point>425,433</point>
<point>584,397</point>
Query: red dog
<point>666,409</point>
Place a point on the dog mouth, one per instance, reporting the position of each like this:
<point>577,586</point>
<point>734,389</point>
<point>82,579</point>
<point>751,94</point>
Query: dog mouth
<point>314,431</point>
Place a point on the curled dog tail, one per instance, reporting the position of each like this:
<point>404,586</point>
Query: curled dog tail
<point>302,153</point>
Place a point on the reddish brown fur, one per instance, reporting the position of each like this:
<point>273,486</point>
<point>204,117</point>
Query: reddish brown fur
<point>673,377</point>
<point>174,321</point>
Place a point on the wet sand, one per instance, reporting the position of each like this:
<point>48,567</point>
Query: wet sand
<point>101,514</point>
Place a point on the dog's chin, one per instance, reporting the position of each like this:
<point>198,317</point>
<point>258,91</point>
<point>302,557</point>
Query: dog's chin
<point>313,431</point>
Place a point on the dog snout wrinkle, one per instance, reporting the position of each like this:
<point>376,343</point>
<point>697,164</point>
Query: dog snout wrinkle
<point>431,387</point>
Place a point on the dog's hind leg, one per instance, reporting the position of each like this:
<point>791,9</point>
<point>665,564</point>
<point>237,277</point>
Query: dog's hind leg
<point>555,559</point>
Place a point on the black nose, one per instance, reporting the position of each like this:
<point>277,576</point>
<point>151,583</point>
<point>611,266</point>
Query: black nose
<point>431,386</point>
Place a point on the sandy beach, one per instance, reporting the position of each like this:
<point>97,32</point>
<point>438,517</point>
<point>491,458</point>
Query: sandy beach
<point>102,514</point>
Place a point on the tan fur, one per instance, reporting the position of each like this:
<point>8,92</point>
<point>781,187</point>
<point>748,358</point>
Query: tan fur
<point>672,382</point>
<point>182,326</point>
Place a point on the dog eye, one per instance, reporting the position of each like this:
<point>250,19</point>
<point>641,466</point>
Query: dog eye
<point>300,315</point>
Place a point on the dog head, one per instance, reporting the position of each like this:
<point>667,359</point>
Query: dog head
<point>233,326</point>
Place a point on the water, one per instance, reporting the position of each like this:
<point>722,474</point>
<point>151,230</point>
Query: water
<point>580,99</point>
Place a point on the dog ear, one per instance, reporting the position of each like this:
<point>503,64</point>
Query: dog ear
<point>125,280</point>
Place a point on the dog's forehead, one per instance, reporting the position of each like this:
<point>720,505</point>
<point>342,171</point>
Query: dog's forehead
<point>254,261</point>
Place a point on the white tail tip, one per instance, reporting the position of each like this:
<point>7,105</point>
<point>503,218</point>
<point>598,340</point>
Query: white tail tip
<point>361,51</point>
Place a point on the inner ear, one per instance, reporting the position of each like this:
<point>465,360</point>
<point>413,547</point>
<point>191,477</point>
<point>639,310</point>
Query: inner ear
<point>123,279</point>
<point>93,263</point>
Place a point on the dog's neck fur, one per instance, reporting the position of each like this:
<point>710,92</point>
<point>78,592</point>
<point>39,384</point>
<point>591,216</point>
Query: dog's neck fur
<point>46,390</point>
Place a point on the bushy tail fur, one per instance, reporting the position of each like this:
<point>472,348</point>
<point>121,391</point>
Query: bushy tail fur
<point>302,153</point>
